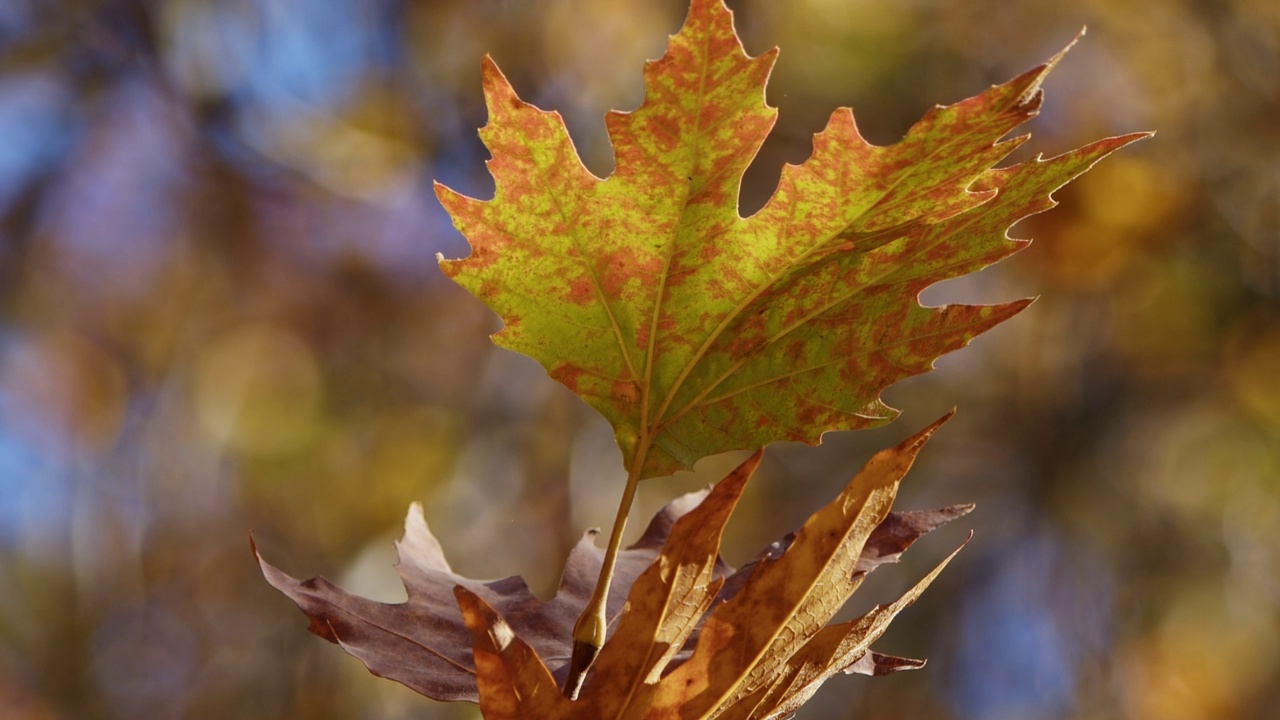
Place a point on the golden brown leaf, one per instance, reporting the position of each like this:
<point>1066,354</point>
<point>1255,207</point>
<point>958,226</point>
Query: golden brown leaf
<point>513,681</point>
<point>695,637</point>
<point>747,641</point>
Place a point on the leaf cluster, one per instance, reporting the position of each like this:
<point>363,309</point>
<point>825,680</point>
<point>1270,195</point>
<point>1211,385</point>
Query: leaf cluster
<point>694,331</point>
<point>663,634</point>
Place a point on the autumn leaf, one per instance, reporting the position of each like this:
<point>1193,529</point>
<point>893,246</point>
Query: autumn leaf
<point>425,643</point>
<point>758,653</point>
<point>695,330</point>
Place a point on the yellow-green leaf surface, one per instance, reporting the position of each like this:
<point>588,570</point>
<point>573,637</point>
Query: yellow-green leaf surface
<point>695,330</point>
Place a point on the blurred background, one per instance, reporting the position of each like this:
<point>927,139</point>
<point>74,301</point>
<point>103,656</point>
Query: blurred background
<point>220,312</point>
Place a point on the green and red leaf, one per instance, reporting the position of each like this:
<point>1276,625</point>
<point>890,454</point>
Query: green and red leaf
<point>695,330</point>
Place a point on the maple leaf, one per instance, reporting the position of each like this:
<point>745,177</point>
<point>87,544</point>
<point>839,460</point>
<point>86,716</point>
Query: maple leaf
<point>695,330</point>
<point>425,642</point>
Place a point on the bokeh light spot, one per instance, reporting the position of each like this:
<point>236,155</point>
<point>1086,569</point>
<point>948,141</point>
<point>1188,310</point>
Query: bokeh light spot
<point>258,390</point>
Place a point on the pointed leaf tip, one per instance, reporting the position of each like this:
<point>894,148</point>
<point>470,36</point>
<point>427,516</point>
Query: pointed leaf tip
<point>912,445</point>
<point>1035,88</point>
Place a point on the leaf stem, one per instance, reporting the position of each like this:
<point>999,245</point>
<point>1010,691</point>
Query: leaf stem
<point>589,630</point>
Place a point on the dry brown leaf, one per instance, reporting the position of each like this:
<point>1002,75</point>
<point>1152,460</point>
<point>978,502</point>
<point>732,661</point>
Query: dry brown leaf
<point>747,641</point>
<point>433,641</point>
<point>424,643</point>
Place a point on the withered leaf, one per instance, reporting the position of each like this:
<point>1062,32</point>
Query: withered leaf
<point>425,642</point>
<point>774,627</point>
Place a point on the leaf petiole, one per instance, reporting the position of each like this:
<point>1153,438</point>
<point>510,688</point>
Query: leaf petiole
<point>589,630</point>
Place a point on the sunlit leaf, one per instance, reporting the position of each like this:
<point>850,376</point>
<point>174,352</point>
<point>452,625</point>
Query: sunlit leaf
<point>425,643</point>
<point>695,330</point>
